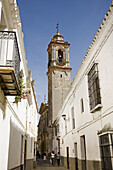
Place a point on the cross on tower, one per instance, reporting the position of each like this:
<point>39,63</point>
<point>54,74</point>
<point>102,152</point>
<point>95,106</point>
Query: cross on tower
<point>44,97</point>
<point>57,27</point>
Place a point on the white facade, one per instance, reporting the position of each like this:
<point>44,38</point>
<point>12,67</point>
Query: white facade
<point>18,122</point>
<point>90,124</point>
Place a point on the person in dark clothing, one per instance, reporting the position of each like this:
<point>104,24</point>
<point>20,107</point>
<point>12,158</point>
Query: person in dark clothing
<point>37,154</point>
<point>58,159</point>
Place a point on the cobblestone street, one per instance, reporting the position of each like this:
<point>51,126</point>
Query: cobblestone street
<point>49,168</point>
<point>45,165</point>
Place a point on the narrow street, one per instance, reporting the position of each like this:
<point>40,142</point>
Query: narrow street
<point>49,168</point>
<point>45,165</point>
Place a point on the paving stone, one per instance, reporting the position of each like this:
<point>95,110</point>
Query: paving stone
<point>45,165</point>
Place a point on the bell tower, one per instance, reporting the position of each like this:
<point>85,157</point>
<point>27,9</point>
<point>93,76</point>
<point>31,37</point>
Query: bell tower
<point>59,78</point>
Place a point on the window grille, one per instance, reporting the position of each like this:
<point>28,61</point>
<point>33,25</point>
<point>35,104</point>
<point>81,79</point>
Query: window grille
<point>106,151</point>
<point>93,87</point>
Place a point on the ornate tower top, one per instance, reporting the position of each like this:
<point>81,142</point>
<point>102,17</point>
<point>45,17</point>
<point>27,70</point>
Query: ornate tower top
<point>57,37</point>
<point>58,51</point>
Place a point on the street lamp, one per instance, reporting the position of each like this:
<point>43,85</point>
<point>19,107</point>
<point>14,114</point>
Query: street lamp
<point>64,117</point>
<point>66,120</point>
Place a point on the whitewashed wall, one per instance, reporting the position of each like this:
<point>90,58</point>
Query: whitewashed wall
<point>87,123</point>
<point>17,121</point>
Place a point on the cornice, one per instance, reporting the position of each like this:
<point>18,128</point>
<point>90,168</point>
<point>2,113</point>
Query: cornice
<point>15,13</point>
<point>11,13</point>
<point>52,68</point>
<point>55,43</point>
<point>7,13</point>
<point>34,97</point>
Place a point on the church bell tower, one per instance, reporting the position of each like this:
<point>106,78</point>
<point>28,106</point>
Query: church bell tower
<point>59,77</point>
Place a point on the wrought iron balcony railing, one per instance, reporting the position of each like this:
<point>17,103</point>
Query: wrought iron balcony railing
<point>9,62</point>
<point>9,52</point>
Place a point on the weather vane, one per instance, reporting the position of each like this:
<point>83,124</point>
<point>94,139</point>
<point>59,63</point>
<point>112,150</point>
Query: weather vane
<point>57,27</point>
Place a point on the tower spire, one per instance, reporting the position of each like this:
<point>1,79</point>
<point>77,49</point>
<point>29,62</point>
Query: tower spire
<point>57,27</point>
<point>45,98</point>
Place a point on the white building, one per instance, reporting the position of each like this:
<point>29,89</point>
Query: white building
<point>85,120</point>
<point>18,118</point>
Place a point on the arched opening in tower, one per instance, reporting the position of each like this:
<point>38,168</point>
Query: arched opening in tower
<point>60,56</point>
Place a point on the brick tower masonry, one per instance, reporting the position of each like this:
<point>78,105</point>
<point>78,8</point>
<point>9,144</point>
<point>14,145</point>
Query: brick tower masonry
<point>59,70</point>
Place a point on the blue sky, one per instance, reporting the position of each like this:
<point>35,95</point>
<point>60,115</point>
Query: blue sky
<point>78,20</point>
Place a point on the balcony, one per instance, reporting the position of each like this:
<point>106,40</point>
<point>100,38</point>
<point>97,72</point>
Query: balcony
<point>9,63</point>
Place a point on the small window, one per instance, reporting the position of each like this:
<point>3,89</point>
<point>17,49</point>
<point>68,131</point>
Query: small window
<point>73,118</point>
<point>61,75</point>
<point>55,130</point>
<point>82,106</point>
<point>58,128</point>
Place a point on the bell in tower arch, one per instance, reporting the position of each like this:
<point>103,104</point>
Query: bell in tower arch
<point>60,56</point>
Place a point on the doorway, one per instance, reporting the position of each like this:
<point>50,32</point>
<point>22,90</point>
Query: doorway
<point>59,145</point>
<point>67,157</point>
<point>25,154</point>
<point>76,156</point>
<point>21,157</point>
<point>83,152</point>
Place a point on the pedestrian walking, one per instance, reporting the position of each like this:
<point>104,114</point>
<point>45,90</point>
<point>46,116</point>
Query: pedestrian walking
<point>58,158</point>
<point>37,154</point>
<point>44,156</point>
<point>52,157</point>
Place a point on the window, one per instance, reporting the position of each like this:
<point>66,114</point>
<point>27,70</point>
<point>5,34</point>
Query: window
<point>55,130</point>
<point>58,128</point>
<point>106,151</point>
<point>47,119</point>
<point>82,105</point>
<point>60,75</point>
<point>93,87</point>
<point>73,118</point>
<point>76,156</point>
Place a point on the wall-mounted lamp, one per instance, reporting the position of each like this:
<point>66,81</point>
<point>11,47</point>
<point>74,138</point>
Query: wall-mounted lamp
<point>66,120</point>
<point>64,116</point>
